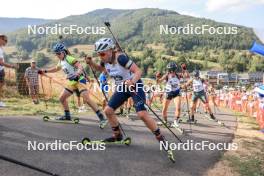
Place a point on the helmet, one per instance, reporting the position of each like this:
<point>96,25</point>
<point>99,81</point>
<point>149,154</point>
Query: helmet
<point>104,44</point>
<point>59,47</point>
<point>172,66</point>
<point>196,73</point>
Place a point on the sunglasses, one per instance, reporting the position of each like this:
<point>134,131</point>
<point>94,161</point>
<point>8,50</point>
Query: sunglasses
<point>58,54</point>
<point>101,54</point>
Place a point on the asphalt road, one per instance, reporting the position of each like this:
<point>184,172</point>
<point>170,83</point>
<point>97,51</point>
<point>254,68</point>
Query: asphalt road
<point>142,157</point>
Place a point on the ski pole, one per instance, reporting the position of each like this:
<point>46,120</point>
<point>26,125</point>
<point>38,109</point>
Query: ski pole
<point>158,117</point>
<point>94,74</point>
<point>26,165</point>
<point>41,80</point>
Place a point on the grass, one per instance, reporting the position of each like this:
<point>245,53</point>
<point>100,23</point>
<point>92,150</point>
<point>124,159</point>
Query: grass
<point>159,47</point>
<point>248,165</point>
<point>19,105</point>
<point>248,159</point>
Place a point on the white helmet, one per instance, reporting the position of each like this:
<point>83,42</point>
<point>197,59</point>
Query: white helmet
<point>104,44</point>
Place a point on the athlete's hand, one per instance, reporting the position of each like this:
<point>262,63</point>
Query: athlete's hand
<point>129,83</point>
<point>15,66</point>
<point>158,75</point>
<point>73,77</point>
<point>88,60</point>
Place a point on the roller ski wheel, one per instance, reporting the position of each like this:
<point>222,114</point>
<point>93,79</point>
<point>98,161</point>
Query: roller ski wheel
<point>86,141</point>
<point>46,118</point>
<point>127,141</point>
<point>76,120</point>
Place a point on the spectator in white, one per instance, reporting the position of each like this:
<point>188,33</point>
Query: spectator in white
<point>32,79</point>
<point>3,42</point>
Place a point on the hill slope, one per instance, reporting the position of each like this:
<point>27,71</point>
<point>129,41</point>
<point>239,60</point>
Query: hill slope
<point>135,28</point>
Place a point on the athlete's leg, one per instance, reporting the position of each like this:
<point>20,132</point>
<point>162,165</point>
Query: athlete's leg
<point>193,105</point>
<point>165,105</point>
<point>139,104</point>
<point>177,102</point>
<point>204,99</point>
<point>117,99</point>
<point>2,83</point>
<point>86,99</point>
<point>63,99</point>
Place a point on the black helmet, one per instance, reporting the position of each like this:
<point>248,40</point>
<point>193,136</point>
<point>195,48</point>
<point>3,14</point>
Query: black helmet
<point>172,67</point>
<point>196,73</point>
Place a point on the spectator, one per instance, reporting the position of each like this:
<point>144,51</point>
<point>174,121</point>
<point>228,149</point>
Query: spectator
<point>3,42</point>
<point>31,76</point>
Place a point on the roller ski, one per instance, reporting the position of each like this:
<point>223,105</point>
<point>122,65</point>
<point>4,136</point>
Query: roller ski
<point>112,140</point>
<point>170,155</point>
<point>211,117</point>
<point>189,121</point>
<point>174,125</point>
<point>61,119</point>
<point>168,151</point>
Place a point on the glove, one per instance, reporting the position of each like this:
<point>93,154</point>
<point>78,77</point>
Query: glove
<point>88,59</point>
<point>40,72</point>
<point>183,66</point>
<point>73,77</point>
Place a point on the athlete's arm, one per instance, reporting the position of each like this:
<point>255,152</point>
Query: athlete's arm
<point>79,67</point>
<point>137,73</point>
<point>6,64</point>
<point>52,70</point>
<point>125,62</point>
<point>164,77</point>
<point>188,83</point>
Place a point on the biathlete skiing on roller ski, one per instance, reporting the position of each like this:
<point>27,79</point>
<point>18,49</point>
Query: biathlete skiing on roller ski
<point>127,77</point>
<point>172,92</point>
<point>198,93</point>
<point>76,81</point>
